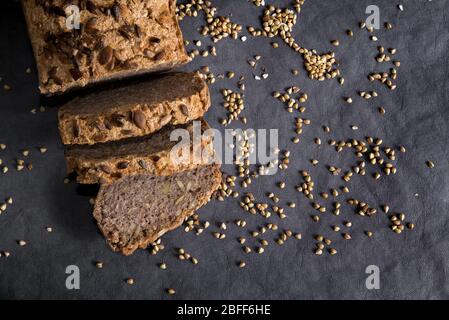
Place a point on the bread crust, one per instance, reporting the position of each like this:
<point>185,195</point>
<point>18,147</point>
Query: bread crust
<point>117,39</point>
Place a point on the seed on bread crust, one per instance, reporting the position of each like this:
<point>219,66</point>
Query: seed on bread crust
<point>105,55</point>
<point>184,109</point>
<point>76,130</point>
<point>105,168</point>
<point>122,165</point>
<point>139,119</point>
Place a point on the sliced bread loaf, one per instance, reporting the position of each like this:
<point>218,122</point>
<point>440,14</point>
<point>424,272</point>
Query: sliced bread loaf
<point>106,162</point>
<point>135,211</point>
<point>134,110</point>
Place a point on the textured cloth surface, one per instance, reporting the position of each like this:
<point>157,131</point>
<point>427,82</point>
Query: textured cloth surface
<point>414,264</point>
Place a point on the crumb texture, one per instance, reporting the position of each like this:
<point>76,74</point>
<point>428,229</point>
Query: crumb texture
<point>136,210</point>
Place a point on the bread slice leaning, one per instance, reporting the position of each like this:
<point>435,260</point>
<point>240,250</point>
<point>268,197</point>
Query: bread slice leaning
<point>134,110</point>
<point>106,162</point>
<point>135,211</point>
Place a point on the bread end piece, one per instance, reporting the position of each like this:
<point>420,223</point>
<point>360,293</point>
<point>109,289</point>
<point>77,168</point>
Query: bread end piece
<point>138,37</point>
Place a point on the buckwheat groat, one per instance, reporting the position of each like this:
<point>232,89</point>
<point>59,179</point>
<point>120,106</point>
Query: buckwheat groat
<point>135,110</point>
<point>116,39</point>
<point>106,162</point>
<point>134,211</point>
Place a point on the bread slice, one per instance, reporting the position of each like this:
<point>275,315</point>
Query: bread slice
<point>106,162</point>
<point>115,39</point>
<point>135,110</point>
<point>135,211</point>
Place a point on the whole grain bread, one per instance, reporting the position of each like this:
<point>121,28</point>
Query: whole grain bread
<point>134,110</point>
<point>106,162</point>
<point>135,211</point>
<point>115,39</point>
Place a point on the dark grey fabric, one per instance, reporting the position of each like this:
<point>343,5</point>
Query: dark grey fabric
<point>412,265</point>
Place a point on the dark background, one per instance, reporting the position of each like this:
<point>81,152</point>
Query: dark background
<point>412,265</point>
